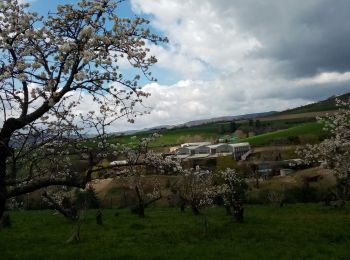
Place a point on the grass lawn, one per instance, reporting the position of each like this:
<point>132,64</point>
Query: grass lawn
<point>312,128</point>
<point>292,232</point>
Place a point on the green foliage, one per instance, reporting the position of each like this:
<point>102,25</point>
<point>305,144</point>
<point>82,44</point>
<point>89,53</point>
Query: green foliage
<point>325,105</point>
<point>304,193</point>
<point>297,194</point>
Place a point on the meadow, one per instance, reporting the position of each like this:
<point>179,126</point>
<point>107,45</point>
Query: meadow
<point>307,130</point>
<point>299,231</point>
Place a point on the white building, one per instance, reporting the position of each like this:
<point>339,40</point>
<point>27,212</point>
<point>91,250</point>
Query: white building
<point>240,149</point>
<point>192,150</point>
<point>205,150</point>
<point>195,144</point>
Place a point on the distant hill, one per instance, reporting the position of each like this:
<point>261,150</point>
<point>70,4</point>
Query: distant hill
<point>197,123</point>
<point>226,119</point>
<point>324,105</point>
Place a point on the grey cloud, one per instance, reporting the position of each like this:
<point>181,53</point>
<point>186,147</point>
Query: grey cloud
<point>304,37</point>
<point>310,92</point>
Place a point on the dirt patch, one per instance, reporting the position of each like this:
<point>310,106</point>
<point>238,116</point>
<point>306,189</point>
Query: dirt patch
<point>101,184</point>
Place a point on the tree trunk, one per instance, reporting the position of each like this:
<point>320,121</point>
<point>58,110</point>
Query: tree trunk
<point>182,206</point>
<point>99,217</point>
<point>228,210</point>
<point>194,209</point>
<point>140,207</point>
<point>141,211</point>
<point>3,190</point>
<point>238,213</point>
<point>8,128</point>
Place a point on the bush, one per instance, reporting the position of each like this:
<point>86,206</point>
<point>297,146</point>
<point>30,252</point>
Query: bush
<point>303,194</point>
<point>260,196</point>
<point>6,221</point>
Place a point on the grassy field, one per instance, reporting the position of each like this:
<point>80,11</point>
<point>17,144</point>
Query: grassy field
<point>301,231</point>
<point>304,130</point>
<point>324,105</point>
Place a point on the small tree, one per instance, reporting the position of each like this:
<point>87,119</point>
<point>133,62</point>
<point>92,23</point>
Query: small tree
<point>144,199</point>
<point>141,161</point>
<point>194,189</point>
<point>232,190</point>
<point>334,151</point>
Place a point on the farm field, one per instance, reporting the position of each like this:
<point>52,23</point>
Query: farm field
<point>307,129</point>
<point>300,231</point>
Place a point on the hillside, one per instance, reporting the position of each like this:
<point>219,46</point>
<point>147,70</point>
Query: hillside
<point>304,133</point>
<point>324,105</point>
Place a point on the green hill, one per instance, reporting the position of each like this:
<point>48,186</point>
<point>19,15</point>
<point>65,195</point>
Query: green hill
<point>324,105</point>
<point>311,132</point>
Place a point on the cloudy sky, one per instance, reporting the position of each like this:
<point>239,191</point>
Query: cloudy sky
<point>230,57</point>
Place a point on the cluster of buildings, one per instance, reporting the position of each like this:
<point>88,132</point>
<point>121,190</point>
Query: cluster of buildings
<point>239,151</point>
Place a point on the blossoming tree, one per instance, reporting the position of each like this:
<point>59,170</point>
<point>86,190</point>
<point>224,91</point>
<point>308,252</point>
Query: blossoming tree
<point>49,67</point>
<point>142,161</point>
<point>334,151</point>
<point>194,189</point>
<point>231,190</point>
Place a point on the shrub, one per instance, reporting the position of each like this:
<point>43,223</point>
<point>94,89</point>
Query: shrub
<point>303,194</point>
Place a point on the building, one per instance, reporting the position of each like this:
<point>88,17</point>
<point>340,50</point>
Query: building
<point>220,148</point>
<point>195,144</point>
<point>201,150</point>
<point>240,149</point>
<point>191,150</point>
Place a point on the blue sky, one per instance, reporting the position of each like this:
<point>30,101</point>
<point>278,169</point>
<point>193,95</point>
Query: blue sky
<point>230,57</point>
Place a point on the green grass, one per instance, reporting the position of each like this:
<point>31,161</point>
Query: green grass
<point>292,232</point>
<point>324,105</point>
<point>308,129</point>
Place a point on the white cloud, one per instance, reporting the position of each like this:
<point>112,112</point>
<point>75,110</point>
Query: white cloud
<point>325,78</point>
<point>199,32</point>
<point>26,1</point>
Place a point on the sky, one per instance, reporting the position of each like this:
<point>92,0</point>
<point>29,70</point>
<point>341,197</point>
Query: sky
<point>231,57</point>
